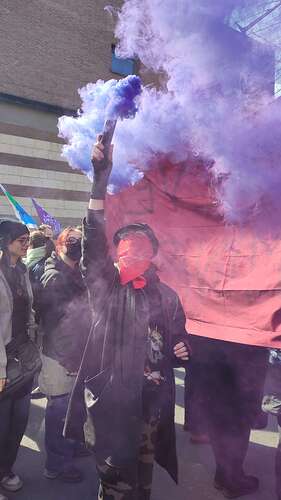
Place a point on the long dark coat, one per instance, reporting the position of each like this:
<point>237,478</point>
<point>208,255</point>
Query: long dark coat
<point>119,331</point>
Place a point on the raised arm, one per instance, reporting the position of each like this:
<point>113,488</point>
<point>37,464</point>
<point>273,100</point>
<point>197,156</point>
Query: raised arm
<point>96,265</point>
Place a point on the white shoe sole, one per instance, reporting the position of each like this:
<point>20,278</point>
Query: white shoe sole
<point>50,475</point>
<point>11,487</point>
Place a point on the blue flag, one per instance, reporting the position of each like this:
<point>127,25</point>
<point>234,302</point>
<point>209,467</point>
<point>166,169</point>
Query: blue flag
<point>20,212</point>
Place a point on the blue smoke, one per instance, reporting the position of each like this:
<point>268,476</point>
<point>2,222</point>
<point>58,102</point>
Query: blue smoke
<point>100,101</point>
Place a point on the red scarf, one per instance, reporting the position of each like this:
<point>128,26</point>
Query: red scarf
<point>134,255</point>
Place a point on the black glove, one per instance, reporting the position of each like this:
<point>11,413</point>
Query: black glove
<point>102,168</point>
<point>102,171</point>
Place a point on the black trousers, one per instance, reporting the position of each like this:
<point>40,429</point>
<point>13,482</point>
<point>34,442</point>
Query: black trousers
<point>230,389</point>
<point>194,411</point>
<point>14,413</point>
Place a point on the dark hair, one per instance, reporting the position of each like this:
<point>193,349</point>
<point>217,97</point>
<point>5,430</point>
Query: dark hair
<point>137,227</point>
<point>37,239</point>
<point>10,230</point>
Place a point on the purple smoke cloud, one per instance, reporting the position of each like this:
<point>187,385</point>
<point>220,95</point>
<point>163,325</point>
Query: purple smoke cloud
<point>216,102</point>
<point>217,99</point>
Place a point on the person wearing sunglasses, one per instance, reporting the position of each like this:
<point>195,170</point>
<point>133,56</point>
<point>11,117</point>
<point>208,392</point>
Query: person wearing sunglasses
<point>65,322</point>
<point>16,322</point>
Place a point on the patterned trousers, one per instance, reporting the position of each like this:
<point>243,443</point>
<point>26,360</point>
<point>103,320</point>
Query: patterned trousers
<point>123,485</point>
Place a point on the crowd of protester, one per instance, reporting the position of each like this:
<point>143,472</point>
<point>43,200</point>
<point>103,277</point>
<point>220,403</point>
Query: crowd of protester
<point>103,339</point>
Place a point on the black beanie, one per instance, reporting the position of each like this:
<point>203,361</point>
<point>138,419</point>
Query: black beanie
<point>137,227</point>
<point>11,230</point>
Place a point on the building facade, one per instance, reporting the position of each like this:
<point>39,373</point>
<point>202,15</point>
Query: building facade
<point>49,49</point>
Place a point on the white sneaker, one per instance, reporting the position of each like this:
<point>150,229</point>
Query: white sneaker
<point>2,497</point>
<point>11,482</point>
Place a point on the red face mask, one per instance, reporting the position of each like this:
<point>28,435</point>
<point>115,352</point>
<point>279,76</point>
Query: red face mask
<point>134,254</point>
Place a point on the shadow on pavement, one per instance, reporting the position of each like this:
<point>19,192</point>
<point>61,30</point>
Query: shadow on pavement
<point>196,465</point>
<point>30,466</point>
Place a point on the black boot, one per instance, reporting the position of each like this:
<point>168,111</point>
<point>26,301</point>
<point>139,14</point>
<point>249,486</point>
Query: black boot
<point>261,421</point>
<point>237,486</point>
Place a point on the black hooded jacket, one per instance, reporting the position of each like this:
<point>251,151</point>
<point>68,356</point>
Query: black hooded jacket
<point>65,313</point>
<point>117,344</point>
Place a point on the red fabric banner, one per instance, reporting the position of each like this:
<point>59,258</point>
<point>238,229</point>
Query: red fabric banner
<point>228,277</point>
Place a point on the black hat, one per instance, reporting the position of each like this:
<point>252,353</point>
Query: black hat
<point>11,230</point>
<point>137,227</point>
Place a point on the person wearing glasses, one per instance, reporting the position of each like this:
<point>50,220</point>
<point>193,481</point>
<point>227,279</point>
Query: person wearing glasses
<point>65,322</point>
<point>16,322</point>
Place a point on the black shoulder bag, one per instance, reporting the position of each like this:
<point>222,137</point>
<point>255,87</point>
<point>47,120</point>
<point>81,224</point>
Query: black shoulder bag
<point>23,363</point>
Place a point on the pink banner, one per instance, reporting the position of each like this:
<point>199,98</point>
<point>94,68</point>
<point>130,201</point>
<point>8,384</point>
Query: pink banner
<point>228,277</point>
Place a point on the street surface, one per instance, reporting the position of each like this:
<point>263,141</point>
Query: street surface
<point>196,465</point>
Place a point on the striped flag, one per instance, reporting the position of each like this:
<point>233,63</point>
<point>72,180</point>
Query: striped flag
<point>20,212</point>
<point>46,218</point>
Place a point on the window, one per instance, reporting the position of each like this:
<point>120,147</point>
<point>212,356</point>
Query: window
<point>121,66</point>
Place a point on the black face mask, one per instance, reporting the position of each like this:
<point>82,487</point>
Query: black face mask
<point>74,251</point>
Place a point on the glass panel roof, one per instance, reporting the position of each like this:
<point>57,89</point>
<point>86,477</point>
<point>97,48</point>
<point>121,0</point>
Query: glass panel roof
<point>262,21</point>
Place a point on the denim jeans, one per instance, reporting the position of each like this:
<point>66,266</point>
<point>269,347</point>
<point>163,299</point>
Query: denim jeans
<point>60,451</point>
<point>14,412</point>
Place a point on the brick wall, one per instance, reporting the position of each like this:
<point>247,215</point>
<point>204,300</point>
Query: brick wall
<point>51,48</point>
<point>32,167</point>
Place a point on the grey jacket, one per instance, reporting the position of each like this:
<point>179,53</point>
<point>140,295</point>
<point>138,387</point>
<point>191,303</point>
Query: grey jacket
<point>54,379</point>
<point>6,310</point>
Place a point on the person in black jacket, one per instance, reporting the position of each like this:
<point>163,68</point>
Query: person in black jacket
<point>126,375</point>
<point>65,319</point>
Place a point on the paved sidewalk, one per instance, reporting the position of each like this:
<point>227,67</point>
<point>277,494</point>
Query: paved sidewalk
<point>196,465</point>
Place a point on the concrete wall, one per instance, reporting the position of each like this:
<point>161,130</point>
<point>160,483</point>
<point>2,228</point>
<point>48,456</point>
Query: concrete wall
<point>49,49</point>
<point>12,113</point>
<point>31,166</point>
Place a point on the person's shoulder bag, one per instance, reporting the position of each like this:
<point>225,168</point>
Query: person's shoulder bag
<point>22,364</point>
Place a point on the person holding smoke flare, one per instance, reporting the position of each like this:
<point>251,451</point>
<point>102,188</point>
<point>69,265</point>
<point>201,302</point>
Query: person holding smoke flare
<point>65,321</point>
<point>138,335</point>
